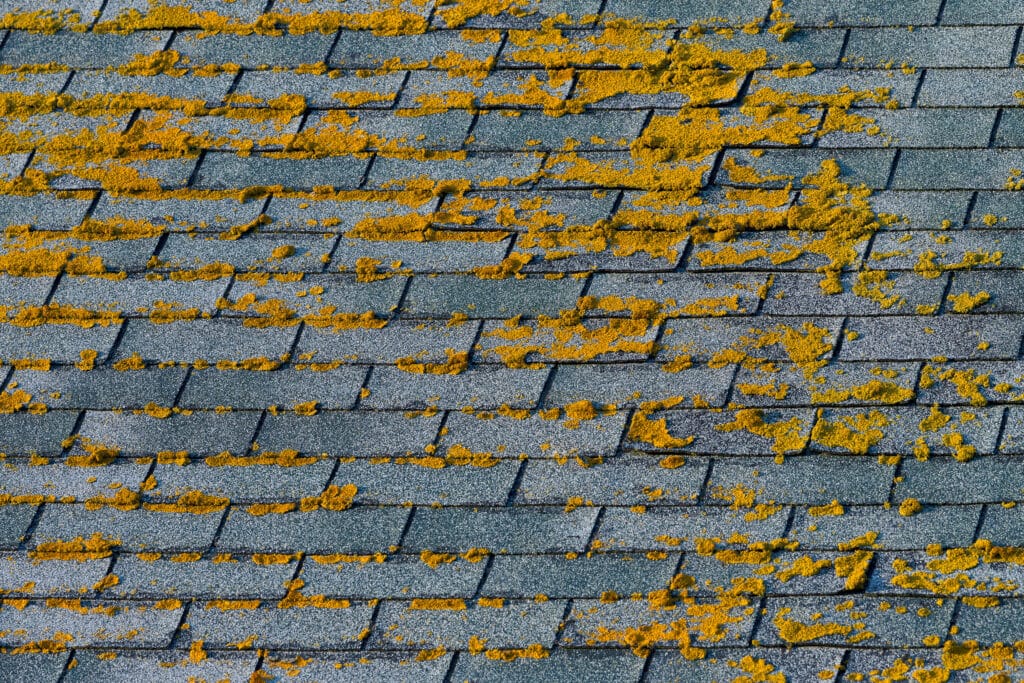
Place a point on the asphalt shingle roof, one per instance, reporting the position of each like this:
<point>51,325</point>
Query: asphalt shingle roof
<point>602,340</point>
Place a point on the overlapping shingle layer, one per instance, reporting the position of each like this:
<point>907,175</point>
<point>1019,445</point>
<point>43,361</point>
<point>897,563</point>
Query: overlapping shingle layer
<point>603,340</point>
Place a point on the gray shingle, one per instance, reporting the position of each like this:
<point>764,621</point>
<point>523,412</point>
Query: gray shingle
<point>15,521</point>
<point>236,580</point>
<point>211,340</point>
<point>921,128</point>
<point>359,530</point>
<point>251,51</point>
<point>563,664</point>
<point>951,337</point>
<point>424,342</point>
<point>928,46</point>
<point>309,628</point>
<point>512,530</point>
<point>947,525</point>
<point>483,387</point>
<point>986,169</point>
<point>152,628</point>
<point>803,663</point>
<point>130,667</point>
<point>101,389</point>
<point>809,480</point>
<point>625,384</point>
<point>969,88</point>
<point>862,13</point>
<point>323,90</point>
<point>359,433</point>
<point>658,529</point>
<point>398,577</point>
<point>534,436</point>
<point>250,389</point>
<point>198,433</point>
<point>891,627</point>
<point>620,481</point>
<point>23,433</point>
<point>43,668</point>
<point>72,579</point>
<point>394,484</point>
<point>982,12</point>
<point>515,625</point>
<point>80,50</point>
<point>586,576</point>
<point>267,483</point>
<point>362,50</point>
<point>134,530</point>
<point>443,295</point>
<point>228,171</point>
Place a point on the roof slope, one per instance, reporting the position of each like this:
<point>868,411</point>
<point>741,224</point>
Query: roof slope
<point>570,340</point>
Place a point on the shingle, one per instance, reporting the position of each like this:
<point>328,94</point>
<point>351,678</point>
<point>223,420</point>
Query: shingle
<point>515,530</point>
<point>820,47</point>
<point>199,433</point>
<point>922,210</point>
<point>323,90</point>
<point>586,576</point>
<point>57,344</point>
<point>360,433</point>
<point>947,525</point>
<point>82,483</point>
<point>839,383</point>
<point>129,667</point>
<point>532,131</point>
<point>251,51</point>
<point>423,342</point>
<point>687,12</point>
<point>335,389</point>
<point>23,433</point>
<point>625,384</point>
<point>1002,205</point>
<point>60,578</point>
<point>952,337</point>
<point>900,293</point>
<point>479,169</point>
<point>901,430</point>
<point>685,294</point>
<point>308,628</point>
<point>724,432</point>
<point>44,668</point>
<point>982,12</point>
<point>210,91</point>
<point>857,166</point>
<point>374,667</point>
<point>1002,526</point>
<point>396,484</point>
<point>228,171</point>
<point>1004,290</point>
<point>166,577</point>
<point>862,12</point>
<point>808,480</point>
<point>359,530</point>
<point>103,389</point>
<point>254,253</point>
<point>135,293</point>
<point>443,295</point>
<point>15,521</point>
<point>80,50</point>
<point>363,50</point>
<point>921,128</point>
<point>136,626</point>
<point>44,210</point>
<point>891,627</point>
<point>211,340</point>
<point>442,131</point>
<point>579,9</point>
<point>1013,433</point>
<point>562,665</point>
<point>657,529</point>
<point>927,46</point>
<point>969,88</point>
<point>515,625</point>
<point>398,577</point>
<point>598,624</point>
<point>986,169</point>
<point>929,252</point>
<point>176,214</point>
<point>241,11</point>
<point>269,483</point>
<point>894,83</point>
<point>482,387</point>
<point>134,530</point>
<point>805,663</point>
<point>621,481</point>
<point>444,256</point>
<point>341,291</point>
<point>534,436</point>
